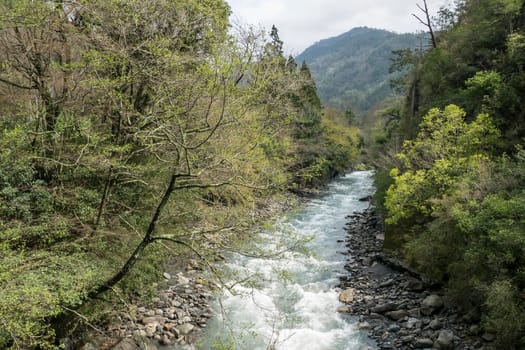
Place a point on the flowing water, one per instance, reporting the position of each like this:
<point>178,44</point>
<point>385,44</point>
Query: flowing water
<point>291,302</point>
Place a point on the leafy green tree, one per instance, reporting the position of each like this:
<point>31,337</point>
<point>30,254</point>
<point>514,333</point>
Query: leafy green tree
<point>446,147</point>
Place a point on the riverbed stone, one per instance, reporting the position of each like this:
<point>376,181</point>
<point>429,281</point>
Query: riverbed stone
<point>397,314</point>
<point>435,324</point>
<point>185,329</point>
<point>414,323</point>
<point>431,304</point>
<point>154,319</point>
<point>126,344</point>
<point>182,280</point>
<point>445,340</point>
<point>344,309</point>
<point>89,346</point>
<point>347,296</point>
<point>382,308</point>
<point>423,343</point>
<point>364,325</point>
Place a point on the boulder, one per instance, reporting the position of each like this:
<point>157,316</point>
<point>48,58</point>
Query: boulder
<point>182,280</point>
<point>431,304</point>
<point>89,346</point>
<point>382,308</point>
<point>397,315</point>
<point>394,328</point>
<point>347,296</point>
<point>436,324</point>
<point>126,344</point>
<point>185,329</point>
<point>414,323</point>
<point>344,310</point>
<point>423,343</point>
<point>364,325</point>
<point>445,340</point>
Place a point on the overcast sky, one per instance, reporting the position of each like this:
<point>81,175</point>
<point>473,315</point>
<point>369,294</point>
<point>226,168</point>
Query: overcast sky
<point>304,22</point>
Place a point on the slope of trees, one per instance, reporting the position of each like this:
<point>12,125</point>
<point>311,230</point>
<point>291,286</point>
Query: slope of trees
<point>128,123</point>
<point>351,70</point>
<point>450,173</point>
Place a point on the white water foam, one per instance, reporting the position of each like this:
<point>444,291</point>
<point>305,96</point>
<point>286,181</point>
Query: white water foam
<point>291,303</point>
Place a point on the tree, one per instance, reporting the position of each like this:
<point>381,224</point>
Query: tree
<point>426,22</point>
<point>36,42</point>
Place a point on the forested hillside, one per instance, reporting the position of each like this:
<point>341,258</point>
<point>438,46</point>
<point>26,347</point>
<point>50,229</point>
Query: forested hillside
<point>451,159</point>
<point>134,130</point>
<point>352,70</point>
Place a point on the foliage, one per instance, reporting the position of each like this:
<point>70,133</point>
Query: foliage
<point>130,124</point>
<point>445,148</point>
<point>463,211</point>
<point>455,208</point>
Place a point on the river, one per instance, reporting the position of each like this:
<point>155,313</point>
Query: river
<point>291,302</point>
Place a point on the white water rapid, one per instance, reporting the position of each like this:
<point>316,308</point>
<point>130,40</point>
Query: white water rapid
<point>290,303</point>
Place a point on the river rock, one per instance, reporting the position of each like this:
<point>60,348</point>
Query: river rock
<point>423,343</point>
<point>435,324</point>
<point>150,329</point>
<point>181,280</point>
<point>445,340</point>
<point>154,319</point>
<point>185,329</point>
<point>394,328</point>
<point>415,285</point>
<point>382,308</point>
<point>414,323</point>
<point>165,340</point>
<point>344,309</point>
<point>431,304</point>
<point>397,315</point>
<point>364,325</point>
<point>140,333</point>
<point>347,296</point>
<point>126,344</point>
<point>88,346</point>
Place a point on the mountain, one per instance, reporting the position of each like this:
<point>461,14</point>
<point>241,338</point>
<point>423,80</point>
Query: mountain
<point>351,70</point>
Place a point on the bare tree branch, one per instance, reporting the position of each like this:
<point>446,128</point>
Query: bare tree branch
<point>427,23</point>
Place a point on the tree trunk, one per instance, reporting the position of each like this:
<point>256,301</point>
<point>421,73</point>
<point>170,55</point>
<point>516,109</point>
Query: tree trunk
<point>103,201</point>
<point>146,240</point>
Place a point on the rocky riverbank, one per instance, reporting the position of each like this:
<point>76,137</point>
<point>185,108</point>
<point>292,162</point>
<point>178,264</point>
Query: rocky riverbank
<point>176,316</point>
<point>395,307</point>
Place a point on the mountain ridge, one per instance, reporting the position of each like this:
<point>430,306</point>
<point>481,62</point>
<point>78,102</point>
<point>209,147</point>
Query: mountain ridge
<point>351,70</point>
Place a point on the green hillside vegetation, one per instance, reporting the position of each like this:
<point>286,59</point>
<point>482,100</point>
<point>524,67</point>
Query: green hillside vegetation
<point>352,70</point>
<point>451,164</point>
<point>137,131</point>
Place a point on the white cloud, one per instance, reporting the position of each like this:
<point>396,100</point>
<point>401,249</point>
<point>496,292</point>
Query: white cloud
<point>304,22</point>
